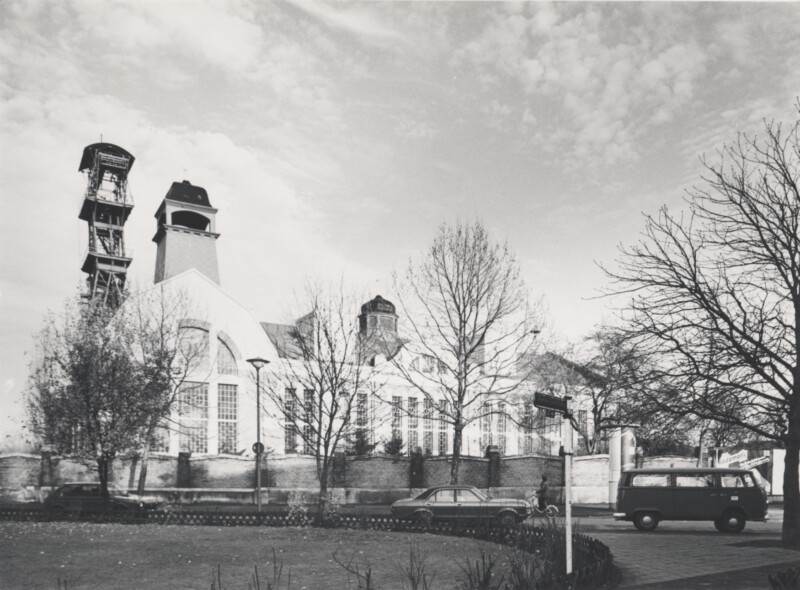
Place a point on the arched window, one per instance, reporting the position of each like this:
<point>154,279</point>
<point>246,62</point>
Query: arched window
<point>226,362</point>
<point>194,348</point>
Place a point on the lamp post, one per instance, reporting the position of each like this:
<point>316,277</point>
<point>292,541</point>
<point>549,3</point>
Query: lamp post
<point>258,363</point>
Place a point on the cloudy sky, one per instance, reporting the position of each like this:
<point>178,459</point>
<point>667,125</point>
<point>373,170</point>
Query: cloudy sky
<point>335,137</point>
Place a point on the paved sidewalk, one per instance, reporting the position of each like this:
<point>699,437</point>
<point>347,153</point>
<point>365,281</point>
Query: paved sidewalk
<point>693,555</point>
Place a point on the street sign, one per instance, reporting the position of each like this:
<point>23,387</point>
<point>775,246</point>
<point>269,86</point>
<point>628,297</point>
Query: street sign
<point>258,448</point>
<point>550,402</point>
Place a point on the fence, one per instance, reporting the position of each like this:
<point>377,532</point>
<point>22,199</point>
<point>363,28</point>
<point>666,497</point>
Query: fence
<point>593,563</point>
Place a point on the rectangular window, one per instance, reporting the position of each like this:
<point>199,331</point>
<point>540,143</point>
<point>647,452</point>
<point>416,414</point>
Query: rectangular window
<point>413,441</point>
<point>694,481</point>
<point>442,443</point>
<point>650,480</point>
<point>486,420</point>
<point>227,414</point>
<point>289,428</point>
<point>160,441</point>
<point>501,417</point>
<point>308,404</point>
<point>486,440</point>
<point>193,410</point>
<point>443,415</point>
<point>413,418</point>
<point>397,412</point>
<point>427,442</point>
<point>501,443</point>
<point>308,440</point>
<point>427,414</point>
<point>527,419</point>
<point>582,418</point>
<point>362,410</point>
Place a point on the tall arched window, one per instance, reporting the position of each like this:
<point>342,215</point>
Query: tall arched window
<point>226,362</point>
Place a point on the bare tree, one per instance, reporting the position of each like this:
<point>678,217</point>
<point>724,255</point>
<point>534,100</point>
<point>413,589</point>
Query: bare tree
<point>164,357</point>
<point>600,376</point>
<point>470,324</point>
<point>324,382</point>
<point>716,295</point>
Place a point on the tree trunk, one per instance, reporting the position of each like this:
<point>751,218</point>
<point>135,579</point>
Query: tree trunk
<point>457,434</point>
<point>102,471</point>
<point>323,492</point>
<point>790,534</point>
<point>143,470</point>
<point>145,457</point>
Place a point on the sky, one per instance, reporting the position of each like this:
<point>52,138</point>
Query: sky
<point>335,137</point>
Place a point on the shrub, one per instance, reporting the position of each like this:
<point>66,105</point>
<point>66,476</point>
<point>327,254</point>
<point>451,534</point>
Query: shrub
<point>298,512</point>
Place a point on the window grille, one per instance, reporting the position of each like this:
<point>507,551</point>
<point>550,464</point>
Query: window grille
<point>227,415</point>
<point>193,410</point>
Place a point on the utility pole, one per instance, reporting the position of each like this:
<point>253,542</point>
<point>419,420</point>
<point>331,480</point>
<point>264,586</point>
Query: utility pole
<point>553,404</point>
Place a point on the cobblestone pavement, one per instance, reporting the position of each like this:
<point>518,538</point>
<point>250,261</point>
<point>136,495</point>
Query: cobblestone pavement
<point>689,555</point>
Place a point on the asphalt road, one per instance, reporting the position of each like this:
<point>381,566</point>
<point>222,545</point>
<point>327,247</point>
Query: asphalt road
<point>689,555</point>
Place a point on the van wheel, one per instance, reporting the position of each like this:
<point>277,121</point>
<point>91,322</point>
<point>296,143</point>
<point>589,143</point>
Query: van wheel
<point>646,521</point>
<point>732,521</point>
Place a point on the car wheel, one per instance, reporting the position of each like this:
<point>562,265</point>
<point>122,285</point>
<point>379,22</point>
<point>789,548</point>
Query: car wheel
<point>551,512</point>
<point>507,519</point>
<point>732,521</point>
<point>646,521</point>
<point>423,518</point>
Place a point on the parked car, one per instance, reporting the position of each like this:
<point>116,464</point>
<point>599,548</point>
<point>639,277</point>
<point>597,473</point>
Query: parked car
<point>460,503</point>
<point>727,497</point>
<point>85,498</point>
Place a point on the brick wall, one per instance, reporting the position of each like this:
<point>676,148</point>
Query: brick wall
<point>294,472</point>
<point>368,480</point>
<point>377,472</point>
<point>18,471</point>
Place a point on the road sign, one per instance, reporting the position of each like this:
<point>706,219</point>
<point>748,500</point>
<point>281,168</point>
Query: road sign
<point>258,448</point>
<point>550,402</point>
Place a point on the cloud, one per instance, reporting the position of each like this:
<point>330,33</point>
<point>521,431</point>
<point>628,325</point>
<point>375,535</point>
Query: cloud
<point>352,19</point>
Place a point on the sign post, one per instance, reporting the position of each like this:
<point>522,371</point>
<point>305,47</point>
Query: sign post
<point>552,404</point>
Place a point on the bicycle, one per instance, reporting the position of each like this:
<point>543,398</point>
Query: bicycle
<point>550,511</point>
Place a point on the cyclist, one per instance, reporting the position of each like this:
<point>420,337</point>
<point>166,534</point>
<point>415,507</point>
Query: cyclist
<point>542,494</point>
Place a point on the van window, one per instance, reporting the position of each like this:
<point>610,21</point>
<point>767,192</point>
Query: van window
<point>694,480</point>
<point>650,480</point>
<point>735,480</point>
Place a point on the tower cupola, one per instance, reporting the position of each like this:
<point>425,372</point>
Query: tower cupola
<point>377,316</point>
<point>186,236</point>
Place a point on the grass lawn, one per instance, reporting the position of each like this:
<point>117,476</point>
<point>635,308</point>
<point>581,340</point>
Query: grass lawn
<point>117,556</point>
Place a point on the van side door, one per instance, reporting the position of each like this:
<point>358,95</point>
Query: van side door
<point>696,496</point>
<point>649,492</point>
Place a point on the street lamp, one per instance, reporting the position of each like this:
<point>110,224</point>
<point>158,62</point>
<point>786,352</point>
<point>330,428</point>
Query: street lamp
<point>258,448</point>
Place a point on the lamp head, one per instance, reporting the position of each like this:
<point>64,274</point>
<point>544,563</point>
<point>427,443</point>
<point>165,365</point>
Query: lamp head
<point>258,362</point>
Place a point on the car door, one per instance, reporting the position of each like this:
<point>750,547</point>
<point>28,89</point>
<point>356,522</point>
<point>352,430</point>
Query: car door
<point>694,496</point>
<point>92,499</point>
<point>442,504</point>
<point>469,505</point>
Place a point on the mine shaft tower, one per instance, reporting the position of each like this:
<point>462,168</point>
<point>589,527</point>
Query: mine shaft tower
<point>106,206</point>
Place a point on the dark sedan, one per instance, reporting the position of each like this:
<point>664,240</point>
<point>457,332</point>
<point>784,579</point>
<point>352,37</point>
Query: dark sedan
<point>85,498</point>
<point>461,504</point>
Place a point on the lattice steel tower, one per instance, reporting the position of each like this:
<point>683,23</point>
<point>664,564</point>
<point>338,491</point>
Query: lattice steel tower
<point>106,206</point>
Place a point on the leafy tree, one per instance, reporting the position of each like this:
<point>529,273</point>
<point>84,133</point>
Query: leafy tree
<point>470,323</point>
<point>715,296</point>
<point>107,377</point>
<point>85,393</point>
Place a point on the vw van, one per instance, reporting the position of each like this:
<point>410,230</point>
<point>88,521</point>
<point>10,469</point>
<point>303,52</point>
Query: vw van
<point>727,497</point>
